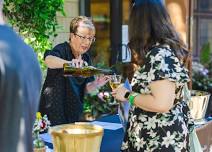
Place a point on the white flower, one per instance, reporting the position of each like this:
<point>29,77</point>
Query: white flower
<point>41,123</point>
<point>185,129</point>
<point>139,143</point>
<point>180,145</point>
<point>142,76</point>
<point>152,133</point>
<point>168,140</point>
<point>137,129</point>
<point>173,75</point>
<point>164,52</point>
<point>181,119</point>
<point>162,123</point>
<point>164,66</point>
<point>153,59</point>
<point>151,123</point>
<point>142,118</point>
<point>124,145</point>
<point>151,75</point>
<point>178,76</point>
<point>134,81</point>
<point>178,67</point>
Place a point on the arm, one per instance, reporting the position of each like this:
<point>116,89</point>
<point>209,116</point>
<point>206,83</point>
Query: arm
<point>54,62</point>
<point>97,83</point>
<point>160,100</point>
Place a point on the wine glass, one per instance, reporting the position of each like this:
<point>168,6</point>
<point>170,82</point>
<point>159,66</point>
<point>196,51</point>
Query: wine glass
<point>115,81</point>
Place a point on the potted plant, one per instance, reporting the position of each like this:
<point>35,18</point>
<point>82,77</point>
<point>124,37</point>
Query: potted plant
<point>41,124</point>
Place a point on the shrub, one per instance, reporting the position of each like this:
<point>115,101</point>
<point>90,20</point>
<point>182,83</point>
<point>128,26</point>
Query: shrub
<point>35,20</point>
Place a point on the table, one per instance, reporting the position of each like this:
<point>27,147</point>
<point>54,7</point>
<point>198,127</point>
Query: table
<point>112,139</point>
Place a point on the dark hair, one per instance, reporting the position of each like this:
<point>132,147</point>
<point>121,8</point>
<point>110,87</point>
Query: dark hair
<point>150,23</point>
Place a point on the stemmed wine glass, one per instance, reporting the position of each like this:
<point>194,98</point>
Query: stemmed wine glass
<point>115,81</point>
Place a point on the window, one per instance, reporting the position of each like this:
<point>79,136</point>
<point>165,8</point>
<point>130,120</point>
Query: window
<point>202,27</point>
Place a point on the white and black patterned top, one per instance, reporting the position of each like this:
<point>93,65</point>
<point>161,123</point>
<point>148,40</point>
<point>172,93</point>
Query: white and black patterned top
<point>159,132</point>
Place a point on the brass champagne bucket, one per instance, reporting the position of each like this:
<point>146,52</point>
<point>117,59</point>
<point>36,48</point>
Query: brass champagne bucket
<point>78,137</point>
<point>198,104</point>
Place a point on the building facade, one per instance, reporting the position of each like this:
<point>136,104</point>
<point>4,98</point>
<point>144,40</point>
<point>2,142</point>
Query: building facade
<point>192,18</point>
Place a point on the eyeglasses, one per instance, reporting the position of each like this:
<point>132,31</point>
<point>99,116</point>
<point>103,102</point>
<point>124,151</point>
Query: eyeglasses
<point>83,38</point>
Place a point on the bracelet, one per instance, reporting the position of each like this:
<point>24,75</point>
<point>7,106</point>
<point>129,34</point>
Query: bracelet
<point>132,98</point>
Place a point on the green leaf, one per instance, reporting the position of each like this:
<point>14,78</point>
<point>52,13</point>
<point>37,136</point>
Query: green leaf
<point>205,54</point>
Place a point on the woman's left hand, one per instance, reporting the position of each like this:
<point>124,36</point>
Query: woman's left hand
<point>119,93</point>
<point>101,80</point>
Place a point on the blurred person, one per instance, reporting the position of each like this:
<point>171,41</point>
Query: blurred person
<point>62,97</point>
<point>159,119</point>
<point>20,84</point>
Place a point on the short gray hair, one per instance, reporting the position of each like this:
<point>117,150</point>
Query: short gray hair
<point>75,23</point>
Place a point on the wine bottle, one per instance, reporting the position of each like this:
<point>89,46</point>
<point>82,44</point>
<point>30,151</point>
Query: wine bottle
<point>85,71</point>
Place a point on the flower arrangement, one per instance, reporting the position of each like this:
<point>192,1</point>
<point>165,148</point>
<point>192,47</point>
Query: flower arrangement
<point>41,124</point>
<point>201,79</point>
<point>98,103</point>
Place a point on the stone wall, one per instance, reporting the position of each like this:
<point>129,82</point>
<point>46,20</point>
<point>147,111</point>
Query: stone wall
<point>71,8</point>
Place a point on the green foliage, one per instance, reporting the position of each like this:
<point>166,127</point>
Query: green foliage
<point>35,20</point>
<point>205,55</point>
<point>38,143</point>
<point>99,103</point>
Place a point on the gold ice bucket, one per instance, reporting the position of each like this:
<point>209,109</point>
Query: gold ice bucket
<point>78,137</point>
<point>198,104</point>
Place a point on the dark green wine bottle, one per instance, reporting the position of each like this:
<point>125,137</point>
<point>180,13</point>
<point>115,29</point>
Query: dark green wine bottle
<point>86,71</point>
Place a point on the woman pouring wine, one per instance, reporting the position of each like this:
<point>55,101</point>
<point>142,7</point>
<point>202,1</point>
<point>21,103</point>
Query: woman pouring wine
<point>62,97</point>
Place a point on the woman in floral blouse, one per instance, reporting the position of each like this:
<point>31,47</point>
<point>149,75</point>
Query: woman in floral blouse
<point>159,120</point>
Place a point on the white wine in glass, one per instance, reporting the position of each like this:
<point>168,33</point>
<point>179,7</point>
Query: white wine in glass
<point>115,81</point>
<point>114,85</point>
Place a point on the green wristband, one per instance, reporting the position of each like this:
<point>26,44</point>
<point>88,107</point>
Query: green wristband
<point>132,98</point>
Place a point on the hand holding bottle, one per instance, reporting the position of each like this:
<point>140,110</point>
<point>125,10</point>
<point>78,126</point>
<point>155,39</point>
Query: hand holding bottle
<point>85,71</point>
<point>78,63</point>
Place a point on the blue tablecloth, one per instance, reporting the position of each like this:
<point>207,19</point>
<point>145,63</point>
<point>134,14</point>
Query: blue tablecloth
<point>112,139</point>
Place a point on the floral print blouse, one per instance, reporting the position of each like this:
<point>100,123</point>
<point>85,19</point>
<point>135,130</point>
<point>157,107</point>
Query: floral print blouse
<point>159,132</point>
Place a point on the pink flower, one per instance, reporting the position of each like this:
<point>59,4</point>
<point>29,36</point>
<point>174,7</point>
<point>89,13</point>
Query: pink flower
<point>103,96</point>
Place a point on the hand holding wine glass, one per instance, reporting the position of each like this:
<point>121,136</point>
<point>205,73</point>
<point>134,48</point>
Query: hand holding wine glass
<point>123,107</point>
<point>115,81</point>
